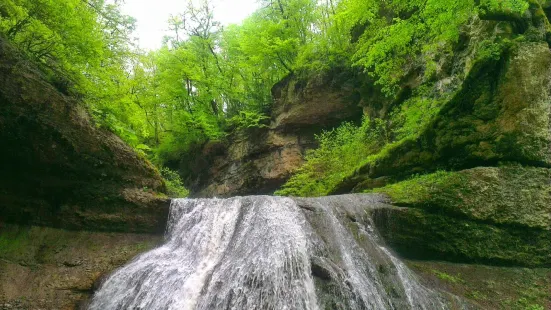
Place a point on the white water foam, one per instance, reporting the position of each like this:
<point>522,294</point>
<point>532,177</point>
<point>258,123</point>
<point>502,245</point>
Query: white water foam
<point>259,253</point>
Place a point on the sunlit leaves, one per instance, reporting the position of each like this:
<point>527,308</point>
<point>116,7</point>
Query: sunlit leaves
<point>399,34</point>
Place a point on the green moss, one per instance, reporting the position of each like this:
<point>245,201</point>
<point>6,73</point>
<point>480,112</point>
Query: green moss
<point>30,245</point>
<point>499,215</point>
<point>501,113</point>
<point>511,195</point>
<point>490,287</point>
<point>447,277</point>
<point>38,245</point>
<point>416,233</point>
<point>13,241</point>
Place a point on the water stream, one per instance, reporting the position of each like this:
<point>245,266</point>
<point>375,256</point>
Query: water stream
<point>263,252</point>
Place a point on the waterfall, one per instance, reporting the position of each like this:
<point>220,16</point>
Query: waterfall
<point>264,252</point>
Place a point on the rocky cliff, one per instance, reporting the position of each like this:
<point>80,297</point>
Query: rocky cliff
<point>68,178</point>
<point>59,169</point>
<point>260,160</point>
<point>491,132</point>
<point>501,113</point>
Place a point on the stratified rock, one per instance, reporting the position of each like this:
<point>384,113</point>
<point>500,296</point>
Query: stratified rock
<point>495,215</point>
<point>259,161</point>
<point>318,101</point>
<point>48,268</point>
<point>58,169</point>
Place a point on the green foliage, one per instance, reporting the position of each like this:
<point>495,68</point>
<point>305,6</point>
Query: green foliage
<point>340,151</point>
<point>411,117</point>
<point>83,47</point>
<point>208,79</point>
<point>418,188</point>
<point>447,277</point>
<point>174,183</point>
<point>403,36</point>
<point>248,120</point>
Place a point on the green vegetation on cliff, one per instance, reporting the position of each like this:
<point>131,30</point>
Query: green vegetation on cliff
<point>494,107</point>
<point>208,79</point>
<point>485,214</point>
<point>456,128</point>
<point>509,195</point>
<point>337,156</point>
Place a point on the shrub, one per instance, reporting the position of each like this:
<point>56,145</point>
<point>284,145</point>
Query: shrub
<point>341,150</point>
<point>174,183</point>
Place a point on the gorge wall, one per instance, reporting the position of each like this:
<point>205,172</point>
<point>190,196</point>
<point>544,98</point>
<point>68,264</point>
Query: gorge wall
<point>59,169</point>
<point>260,160</point>
<point>491,133</point>
<point>473,186</point>
<point>85,191</point>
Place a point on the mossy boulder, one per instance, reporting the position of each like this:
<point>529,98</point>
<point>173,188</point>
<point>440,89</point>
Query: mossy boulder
<point>59,169</point>
<point>496,215</point>
<point>508,195</point>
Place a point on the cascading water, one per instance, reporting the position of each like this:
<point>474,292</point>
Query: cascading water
<point>265,252</point>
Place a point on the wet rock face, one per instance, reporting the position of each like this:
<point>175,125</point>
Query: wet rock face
<point>259,161</point>
<point>491,215</point>
<point>58,169</point>
<point>48,268</point>
<point>321,100</point>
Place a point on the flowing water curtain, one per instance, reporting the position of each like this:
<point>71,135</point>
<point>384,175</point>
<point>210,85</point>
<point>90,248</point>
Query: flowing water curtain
<point>268,253</point>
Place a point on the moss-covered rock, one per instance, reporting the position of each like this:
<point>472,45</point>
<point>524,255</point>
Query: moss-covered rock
<point>508,195</point>
<point>416,233</point>
<point>58,169</point>
<point>501,113</point>
<point>489,286</point>
<point>495,215</point>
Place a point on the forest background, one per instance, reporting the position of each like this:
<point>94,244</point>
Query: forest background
<point>209,80</point>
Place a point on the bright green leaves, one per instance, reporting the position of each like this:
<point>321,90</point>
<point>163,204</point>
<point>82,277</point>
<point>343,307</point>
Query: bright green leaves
<point>387,52</point>
<point>503,6</point>
<point>352,13</point>
<point>83,46</point>
<point>404,36</point>
<point>339,153</point>
<point>208,80</point>
<point>174,183</point>
<point>392,44</point>
<point>249,120</point>
<point>61,34</point>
